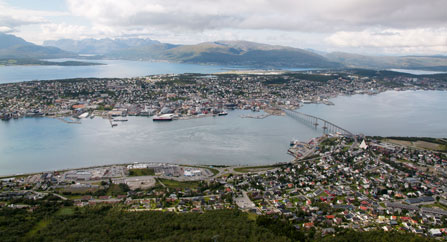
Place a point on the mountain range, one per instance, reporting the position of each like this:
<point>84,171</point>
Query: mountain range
<point>99,46</point>
<point>12,47</point>
<point>231,53</point>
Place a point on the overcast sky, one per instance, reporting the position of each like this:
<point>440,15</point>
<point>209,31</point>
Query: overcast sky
<point>394,27</point>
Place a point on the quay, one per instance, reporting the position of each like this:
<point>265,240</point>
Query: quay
<point>263,116</point>
<point>71,121</point>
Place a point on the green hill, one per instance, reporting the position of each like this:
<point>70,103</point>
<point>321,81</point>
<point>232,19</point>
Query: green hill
<point>388,62</point>
<point>238,53</point>
<point>12,47</point>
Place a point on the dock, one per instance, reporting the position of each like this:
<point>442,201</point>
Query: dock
<point>71,121</point>
<point>111,122</point>
<point>263,116</point>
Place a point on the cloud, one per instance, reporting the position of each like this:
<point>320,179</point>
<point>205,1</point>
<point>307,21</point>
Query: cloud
<point>288,15</point>
<point>5,29</point>
<point>377,25</point>
<point>12,18</point>
<point>420,40</point>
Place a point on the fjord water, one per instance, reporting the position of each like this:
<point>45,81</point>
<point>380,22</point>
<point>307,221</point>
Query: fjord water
<point>41,144</point>
<point>111,69</point>
<point>391,113</point>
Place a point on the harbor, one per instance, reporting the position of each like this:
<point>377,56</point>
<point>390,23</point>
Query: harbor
<point>47,143</point>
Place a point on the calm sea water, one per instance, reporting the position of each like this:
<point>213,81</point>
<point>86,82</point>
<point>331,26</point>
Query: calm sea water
<point>417,72</point>
<point>113,68</point>
<point>392,113</point>
<point>36,144</point>
<point>120,69</point>
<point>41,144</point>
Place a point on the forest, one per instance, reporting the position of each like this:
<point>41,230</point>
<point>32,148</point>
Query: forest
<point>56,220</point>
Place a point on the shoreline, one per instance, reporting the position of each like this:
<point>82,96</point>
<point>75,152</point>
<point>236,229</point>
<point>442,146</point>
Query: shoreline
<point>319,139</point>
<point>126,164</point>
<point>271,111</point>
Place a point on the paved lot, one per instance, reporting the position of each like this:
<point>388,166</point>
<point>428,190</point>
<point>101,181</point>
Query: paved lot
<point>142,182</point>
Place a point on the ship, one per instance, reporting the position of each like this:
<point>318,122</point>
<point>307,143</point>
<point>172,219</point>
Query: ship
<point>163,117</point>
<point>84,115</point>
<point>294,142</point>
<point>223,113</point>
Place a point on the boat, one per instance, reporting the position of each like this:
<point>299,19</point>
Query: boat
<point>84,115</point>
<point>294,142</point>
<point>121,120</point>
<point>164,117</point>
<point>223,113</point>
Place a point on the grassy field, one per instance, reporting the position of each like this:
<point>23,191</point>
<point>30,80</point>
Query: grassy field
<point>435,205</point>
<point>42,224</point>
<point>142,172</point>
<point>214,171</point>
<point>424,143</point>
<point>115,190</point>
<point>255,168</point>
<point>74,191</point>
<point>177,184</point>
<point>65,211</point>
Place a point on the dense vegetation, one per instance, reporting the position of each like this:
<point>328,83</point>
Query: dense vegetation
<point>56,220</point>
<point>141,172</point>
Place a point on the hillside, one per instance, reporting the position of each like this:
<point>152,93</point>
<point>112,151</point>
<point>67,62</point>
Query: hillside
<point>231,53</point>
<point>387,62</point>
<point>99,46</point>
<point>12,47</point>
<point>238,53</point>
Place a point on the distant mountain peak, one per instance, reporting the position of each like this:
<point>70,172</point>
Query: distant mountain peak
<point>100,46</point>
<point>9,40</point>
<point>13,47</point>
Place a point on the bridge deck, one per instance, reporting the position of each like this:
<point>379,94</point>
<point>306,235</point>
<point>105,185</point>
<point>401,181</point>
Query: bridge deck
<point>291,112</point>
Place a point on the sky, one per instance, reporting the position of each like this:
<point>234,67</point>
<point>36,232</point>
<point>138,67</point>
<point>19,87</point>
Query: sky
<point>380,27</point>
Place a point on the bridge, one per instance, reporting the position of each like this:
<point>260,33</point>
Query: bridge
<point>328,127</point>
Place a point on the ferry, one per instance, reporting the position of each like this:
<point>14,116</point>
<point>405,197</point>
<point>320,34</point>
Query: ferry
<point>84,115</point>
<point>163,117</point>
<point>294,142</point>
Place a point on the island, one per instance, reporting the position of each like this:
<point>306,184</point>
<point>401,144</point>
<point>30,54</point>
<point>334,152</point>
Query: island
<point>38,62</point>
<point>184,96</point>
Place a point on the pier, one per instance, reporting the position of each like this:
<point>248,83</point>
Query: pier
<point>327,126</point>
<point>70,121</point>
<point>263,116</point>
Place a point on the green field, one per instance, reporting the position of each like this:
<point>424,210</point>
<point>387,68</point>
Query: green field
<point>42,224</point>
<point>214,171</point>
<point>65,211</point>
<point>177,184</point>
<point>114,189</point>
<point>255,168</point>
<point>142,172</point>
